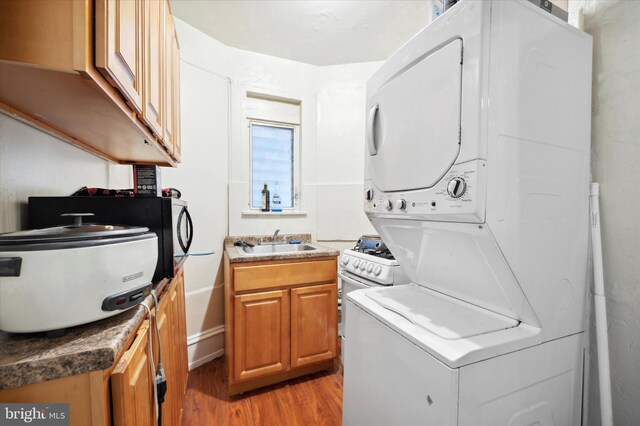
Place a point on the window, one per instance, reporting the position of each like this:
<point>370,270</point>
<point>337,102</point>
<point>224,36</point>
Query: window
<point>273,161</point>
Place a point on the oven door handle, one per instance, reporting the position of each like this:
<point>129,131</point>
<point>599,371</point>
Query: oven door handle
<point>352,281</point>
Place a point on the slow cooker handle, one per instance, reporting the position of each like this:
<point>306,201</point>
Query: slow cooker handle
<point>189,236</point>
<point>77,217</point>
<point>10,266</point>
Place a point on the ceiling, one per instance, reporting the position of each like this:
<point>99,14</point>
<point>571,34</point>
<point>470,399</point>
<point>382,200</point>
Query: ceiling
<point>311,31</point>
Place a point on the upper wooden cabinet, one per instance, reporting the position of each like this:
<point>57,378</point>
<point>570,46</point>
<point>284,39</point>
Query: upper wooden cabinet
<point>153,90</point>
<point>95,74</point>
<point>119,46</point>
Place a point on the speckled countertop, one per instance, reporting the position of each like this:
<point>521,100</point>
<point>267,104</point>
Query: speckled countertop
<point>236,256</point>
<point>33,357</point>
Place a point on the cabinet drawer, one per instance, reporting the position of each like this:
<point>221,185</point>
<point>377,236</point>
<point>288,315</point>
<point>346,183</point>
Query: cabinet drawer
<point>257,277</point>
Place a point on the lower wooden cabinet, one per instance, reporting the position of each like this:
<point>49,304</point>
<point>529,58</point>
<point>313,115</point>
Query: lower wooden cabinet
<point>261,334</point>
<point>132,383</point>
<point>314,316</point>
<point>132,379</point>
<point>279,324</point>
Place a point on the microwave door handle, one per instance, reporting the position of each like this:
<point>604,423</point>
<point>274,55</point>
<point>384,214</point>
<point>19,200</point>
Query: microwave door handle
<point>189,229</point>
<point>189,226</point>
<point>371,130</point>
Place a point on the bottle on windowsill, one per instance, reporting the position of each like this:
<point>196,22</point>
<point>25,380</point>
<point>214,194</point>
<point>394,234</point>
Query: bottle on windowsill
<point>276,204</point>
<point>265,199</point>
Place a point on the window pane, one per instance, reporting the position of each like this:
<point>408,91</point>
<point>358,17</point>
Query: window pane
<point>272,162</point>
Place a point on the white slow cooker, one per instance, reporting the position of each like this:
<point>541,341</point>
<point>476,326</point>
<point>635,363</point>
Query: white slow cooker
<point>55,278</point>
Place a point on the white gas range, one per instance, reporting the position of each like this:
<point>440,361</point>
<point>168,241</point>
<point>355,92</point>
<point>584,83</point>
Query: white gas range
<point>365,268</point>
<point>375,267</point>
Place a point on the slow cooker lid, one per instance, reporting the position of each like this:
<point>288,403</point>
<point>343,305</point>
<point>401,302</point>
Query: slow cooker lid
<point>70,233</point>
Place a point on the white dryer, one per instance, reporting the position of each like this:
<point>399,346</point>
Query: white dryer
<point>476,177</point>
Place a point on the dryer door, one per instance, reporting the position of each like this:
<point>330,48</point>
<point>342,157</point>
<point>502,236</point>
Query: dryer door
<point>413,124</point>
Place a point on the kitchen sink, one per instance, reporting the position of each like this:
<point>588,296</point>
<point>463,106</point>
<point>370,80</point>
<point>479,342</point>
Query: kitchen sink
<point>275,248</point>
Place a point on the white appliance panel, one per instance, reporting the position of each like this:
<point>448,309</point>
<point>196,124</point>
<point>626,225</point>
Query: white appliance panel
<point>492,341</point>
<point>441,315</point>
<point>389,381</point>
<point>536,386</point>
<point>460,260</point>
<point>436,203</point>
<point>413,127</point>
<point>538,171</point>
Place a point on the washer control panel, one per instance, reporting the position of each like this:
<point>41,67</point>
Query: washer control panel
<point>458,196</point>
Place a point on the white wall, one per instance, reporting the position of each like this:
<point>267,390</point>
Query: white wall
<point>280,77</point>
<point>35,163</point>
<point>340,152</point>
<point>332,145</point>
<point>615,137</point>
<point>202,178</point>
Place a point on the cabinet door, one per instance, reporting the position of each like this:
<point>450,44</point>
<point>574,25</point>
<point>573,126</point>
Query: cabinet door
<point>153,84</point>
<point>169,36</point>
<point>314,314</point>
<point>261,334</point>
<point>168,357</point>
<point>132,384</point>
<point>119,45</point>
<point>177,143</point>
<point>178,349</point>
<point>181,324</point>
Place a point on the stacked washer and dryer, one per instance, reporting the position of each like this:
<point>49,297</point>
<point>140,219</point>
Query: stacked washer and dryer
<point>477,177</point>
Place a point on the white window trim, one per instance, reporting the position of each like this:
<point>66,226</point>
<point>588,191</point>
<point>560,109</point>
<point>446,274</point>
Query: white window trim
<point>296,168</point>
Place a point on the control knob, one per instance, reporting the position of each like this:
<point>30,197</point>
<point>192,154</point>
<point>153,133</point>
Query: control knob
<point>456,187</point>
<point>345,260</point>
<point>388,205</point>
<point>368,194</point>
<point>355,263</point>
<point>401,204</point>
<point>377,270</point>
<point>369,267</point>
<point>362,265</point>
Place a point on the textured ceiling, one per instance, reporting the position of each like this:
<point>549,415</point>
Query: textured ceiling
<point>315,32</point>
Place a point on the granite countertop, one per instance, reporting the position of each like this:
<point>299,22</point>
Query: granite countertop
<point>27,358</point>
<point>235,255</point>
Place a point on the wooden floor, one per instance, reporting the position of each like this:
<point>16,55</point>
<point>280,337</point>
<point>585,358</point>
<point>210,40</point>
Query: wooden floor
<point>311,400</point>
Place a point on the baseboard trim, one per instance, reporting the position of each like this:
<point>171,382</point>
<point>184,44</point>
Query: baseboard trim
<point>205,359</point>
<point>206,334</point>
<point>205,346</point>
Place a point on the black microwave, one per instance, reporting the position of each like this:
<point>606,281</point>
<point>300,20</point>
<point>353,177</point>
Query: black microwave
<point>168,217</point>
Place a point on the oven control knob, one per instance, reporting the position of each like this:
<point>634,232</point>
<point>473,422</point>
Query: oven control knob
<point>362,266</point>
<point>401,204</point>
<point>369,195</point>
<point>456,187</point>
<point>388,205</point>
<point>345,260</point>
<point>355,263</point>
<point>377,270</point>
<point>369,267</point>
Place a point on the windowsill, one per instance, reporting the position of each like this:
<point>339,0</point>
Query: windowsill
<point>288,213</point>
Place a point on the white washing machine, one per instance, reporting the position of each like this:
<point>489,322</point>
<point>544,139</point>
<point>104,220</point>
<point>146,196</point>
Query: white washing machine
<point>476,177</point>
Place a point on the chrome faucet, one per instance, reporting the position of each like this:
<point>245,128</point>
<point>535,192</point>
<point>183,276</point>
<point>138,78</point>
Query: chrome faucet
<point>273,239</point>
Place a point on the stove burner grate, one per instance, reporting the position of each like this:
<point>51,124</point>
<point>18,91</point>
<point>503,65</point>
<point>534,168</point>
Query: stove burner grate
<point>384,254</point>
